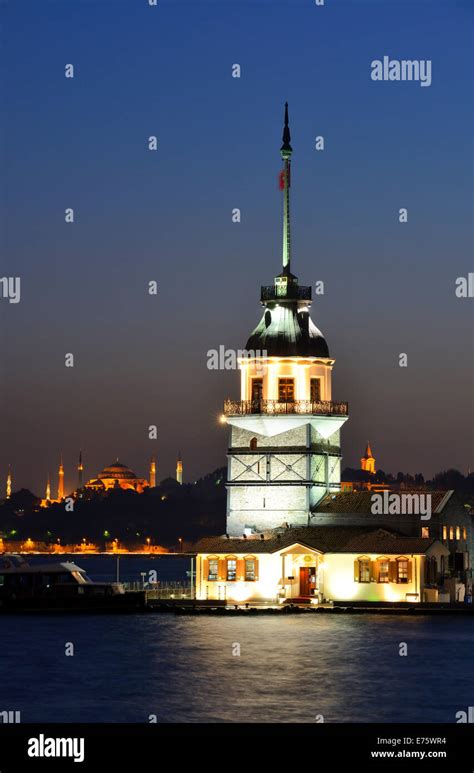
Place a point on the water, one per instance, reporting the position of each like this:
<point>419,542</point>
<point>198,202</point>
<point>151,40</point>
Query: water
<point>182,669</point>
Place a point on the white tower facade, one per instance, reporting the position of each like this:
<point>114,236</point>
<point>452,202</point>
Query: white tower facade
<point>284,446</point>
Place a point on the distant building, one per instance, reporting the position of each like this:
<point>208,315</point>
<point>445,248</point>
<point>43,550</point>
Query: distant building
<point>367,462</point>
<point>152,472</point>
<point>48,499</point>
<point>179,470</point>
<point>117,476</point>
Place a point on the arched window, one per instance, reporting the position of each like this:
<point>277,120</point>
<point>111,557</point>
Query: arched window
<point>382,569</point>
<point>250,568</point>
<point>231,568</point>
<point>403,569</point>
<point>211,568</point>
<point>362,569</point>
<point>253,444</point>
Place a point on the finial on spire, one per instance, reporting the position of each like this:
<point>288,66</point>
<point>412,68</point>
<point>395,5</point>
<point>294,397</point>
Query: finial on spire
<point>286,134</point>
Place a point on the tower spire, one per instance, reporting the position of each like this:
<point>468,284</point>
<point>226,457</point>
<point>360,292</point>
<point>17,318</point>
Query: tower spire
<point>152,472</point>
<point>61,480</point>
<point>80,468</point>
<point>9,482</point>
<point>286,151</point>
<point>179,469</point>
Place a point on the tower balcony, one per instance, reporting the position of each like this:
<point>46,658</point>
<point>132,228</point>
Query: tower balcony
<point>285,292</point>
<point>277,408</point>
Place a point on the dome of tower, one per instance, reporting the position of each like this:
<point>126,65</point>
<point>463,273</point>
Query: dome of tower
<point>288,331</point>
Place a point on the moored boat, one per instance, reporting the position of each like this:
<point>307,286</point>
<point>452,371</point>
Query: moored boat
<point>62,587</point>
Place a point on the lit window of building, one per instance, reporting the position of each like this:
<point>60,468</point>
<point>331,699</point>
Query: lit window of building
<point>249,570</point>
<point>213,571</point>
<point>383,571</point>
<point>458,532</point>
<point>451,532</point>
<point>445,532</point>
<point>231,569</point>
<point>425,532</point>
<point>286,390</point>
<point>464,533</point>
<point>315,386</point>
<point>364,570</point>
<point>257,388</point>
<point>402,570</point>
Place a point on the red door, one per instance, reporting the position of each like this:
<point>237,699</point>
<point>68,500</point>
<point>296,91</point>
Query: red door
<point>307,580</point>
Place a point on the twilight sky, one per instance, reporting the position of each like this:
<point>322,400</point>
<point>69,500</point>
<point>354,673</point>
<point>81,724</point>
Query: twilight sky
<point>166,216</point>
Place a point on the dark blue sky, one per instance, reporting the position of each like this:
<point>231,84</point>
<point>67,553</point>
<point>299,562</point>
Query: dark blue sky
<point>166,215</point>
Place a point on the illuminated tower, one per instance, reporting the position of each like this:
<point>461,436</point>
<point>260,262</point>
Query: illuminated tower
<point>367,462</point>
<point>80,470</point>
<point>9,483</point>
<point>61,481</point>
<point>152,472</point>
<point>48,490</point>
<point>284,446</point>
<point>179,469</point>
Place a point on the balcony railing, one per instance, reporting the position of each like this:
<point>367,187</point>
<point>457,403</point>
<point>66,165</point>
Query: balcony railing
<point>292,292</point>
<point>277,408</point>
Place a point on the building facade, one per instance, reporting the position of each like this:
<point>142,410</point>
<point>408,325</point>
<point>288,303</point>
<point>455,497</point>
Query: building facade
<point>321,564</point>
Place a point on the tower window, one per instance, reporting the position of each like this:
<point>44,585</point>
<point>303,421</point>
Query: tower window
<point>286,390</point>
<point>315,385</point>
<point>253,444</point>
<point>257,388</point>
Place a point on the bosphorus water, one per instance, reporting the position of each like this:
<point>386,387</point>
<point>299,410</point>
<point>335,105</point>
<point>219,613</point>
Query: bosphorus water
<point>290,668</point>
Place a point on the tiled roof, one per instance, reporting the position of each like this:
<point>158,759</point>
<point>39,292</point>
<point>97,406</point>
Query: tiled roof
<point>361,501</point>
<point>326,539</point>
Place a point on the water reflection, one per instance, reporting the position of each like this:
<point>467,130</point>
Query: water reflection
<point>290,668</point>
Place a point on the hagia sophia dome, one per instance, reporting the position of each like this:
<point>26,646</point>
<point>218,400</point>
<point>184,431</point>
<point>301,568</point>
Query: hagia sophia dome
<point>117,475</point>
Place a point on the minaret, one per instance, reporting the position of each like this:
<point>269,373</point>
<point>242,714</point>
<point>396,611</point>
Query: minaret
<point>152,472</point>
<point>80,470</point>
<point>367,462</point>
<point>179,469</point>
<point>284,447</point>
<point>48,490</point>
<point>9,482</point>
<point>61,481</point>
